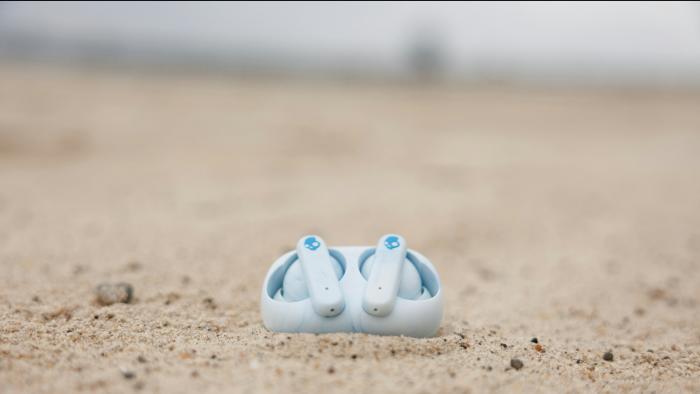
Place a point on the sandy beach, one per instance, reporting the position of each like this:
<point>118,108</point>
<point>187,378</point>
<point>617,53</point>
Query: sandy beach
<point>570,216</point>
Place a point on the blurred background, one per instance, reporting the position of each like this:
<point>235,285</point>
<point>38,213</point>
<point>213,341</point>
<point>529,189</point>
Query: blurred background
<point>545,156</point>
<point>605,44</point>
<point>295,117</point>
<point>454,123</point>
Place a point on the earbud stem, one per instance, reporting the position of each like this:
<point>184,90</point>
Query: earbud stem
<point>321,280</point>
<point>384,280</point>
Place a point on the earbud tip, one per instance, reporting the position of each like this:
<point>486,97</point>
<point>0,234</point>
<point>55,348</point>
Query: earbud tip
<point>411,283</point>
<point>425,294</point>
<point>294,285</point>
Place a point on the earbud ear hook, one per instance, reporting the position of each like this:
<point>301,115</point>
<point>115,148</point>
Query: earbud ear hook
<point>320,277</point>
<point>384,279</point>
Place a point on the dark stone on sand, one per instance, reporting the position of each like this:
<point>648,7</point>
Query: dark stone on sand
<point>516,363</point>
<point>112,293</point>
<point>608,356</point>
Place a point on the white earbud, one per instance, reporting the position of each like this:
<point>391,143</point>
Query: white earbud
<point>314,275</point>
<point>385,290</point>
<point>390,274</point>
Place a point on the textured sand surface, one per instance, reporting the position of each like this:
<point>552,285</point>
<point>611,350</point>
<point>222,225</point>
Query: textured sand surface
<point>573,217</point>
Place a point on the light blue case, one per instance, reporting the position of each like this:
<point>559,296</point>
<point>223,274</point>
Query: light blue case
<point>414,318</point>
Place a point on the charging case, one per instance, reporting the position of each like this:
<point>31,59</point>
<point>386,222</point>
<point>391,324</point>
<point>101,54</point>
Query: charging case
<point>414,318</point>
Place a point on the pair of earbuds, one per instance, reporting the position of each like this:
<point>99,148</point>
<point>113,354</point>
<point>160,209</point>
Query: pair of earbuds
<point>316,274</point>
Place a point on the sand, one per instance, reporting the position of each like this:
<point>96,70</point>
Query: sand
<point>572,216</point>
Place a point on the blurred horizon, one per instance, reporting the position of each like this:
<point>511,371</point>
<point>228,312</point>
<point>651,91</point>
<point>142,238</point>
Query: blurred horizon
<point>613,44</point>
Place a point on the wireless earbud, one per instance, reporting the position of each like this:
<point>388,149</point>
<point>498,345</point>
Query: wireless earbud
<point>386,290</point>
<point>314,275</point>
<point>390,275</point>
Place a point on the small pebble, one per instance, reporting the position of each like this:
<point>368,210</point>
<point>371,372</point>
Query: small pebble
<point>133,266</point>
<point>516,363</point>
<point>128,374</point>
<point>141,359</point>
<point>110,293</point>
<point>209,303</point>
<point>534,340</point>
<point>608,356</point>
<point>331,370</point>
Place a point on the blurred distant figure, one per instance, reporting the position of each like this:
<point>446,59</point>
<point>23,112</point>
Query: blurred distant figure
<point>426,54</point>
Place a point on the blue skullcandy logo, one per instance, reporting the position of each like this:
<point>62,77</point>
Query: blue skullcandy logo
<point>311,243</point>
<point>392,242</point>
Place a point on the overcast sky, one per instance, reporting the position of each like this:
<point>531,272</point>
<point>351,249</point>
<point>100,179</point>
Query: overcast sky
<point>650,39</point>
